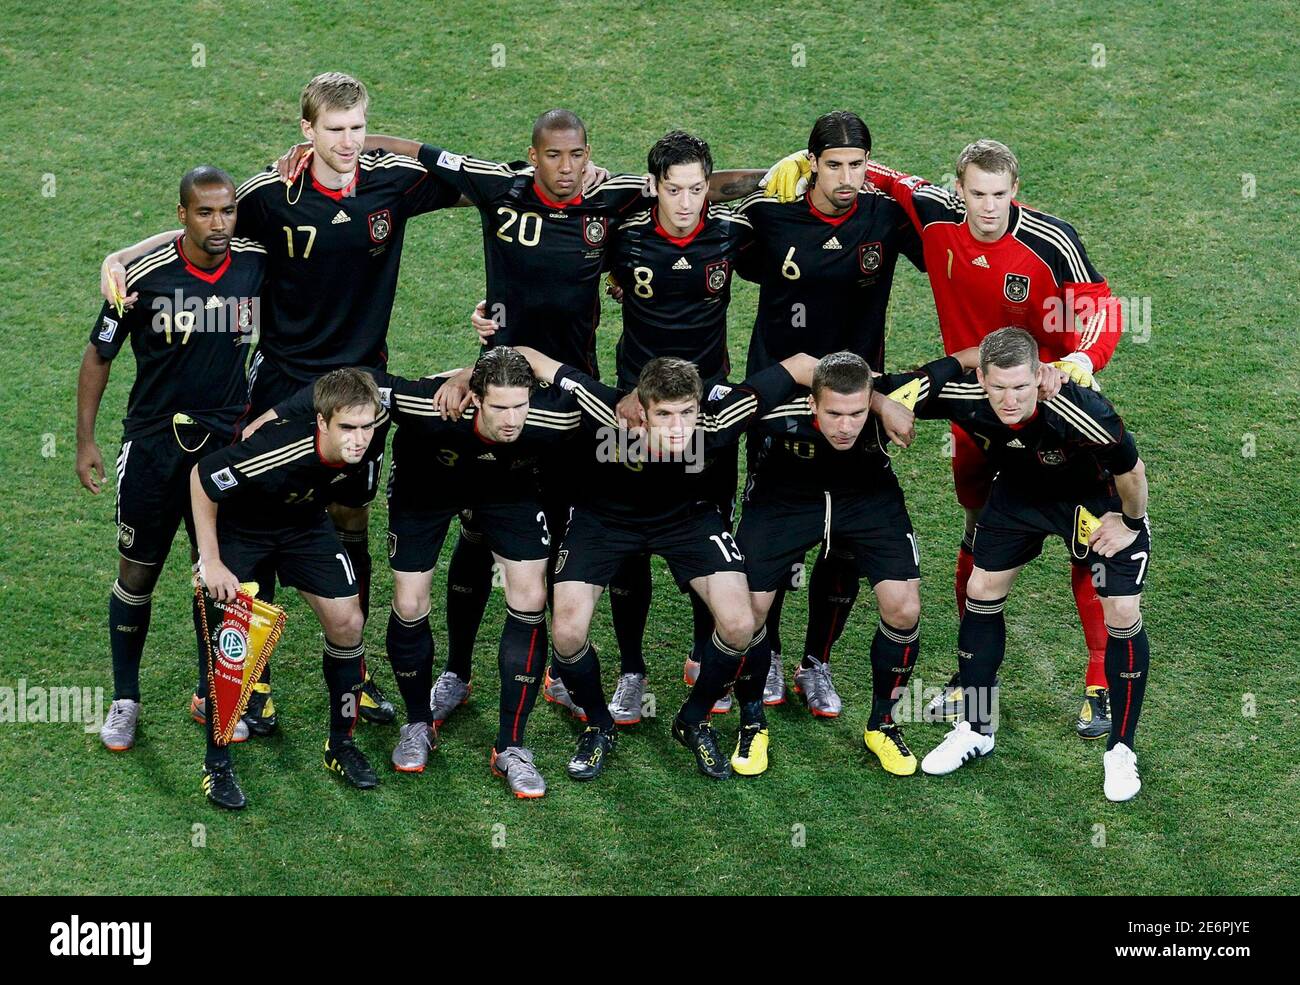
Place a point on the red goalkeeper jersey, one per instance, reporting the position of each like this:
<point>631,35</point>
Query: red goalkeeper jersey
<point>1036,277</point>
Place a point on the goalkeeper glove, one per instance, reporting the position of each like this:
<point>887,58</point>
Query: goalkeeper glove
<point>1078,367</point>
<point>787,179</point>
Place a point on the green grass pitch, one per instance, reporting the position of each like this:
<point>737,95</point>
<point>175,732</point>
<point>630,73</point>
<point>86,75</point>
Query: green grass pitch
<point>1165,132</point>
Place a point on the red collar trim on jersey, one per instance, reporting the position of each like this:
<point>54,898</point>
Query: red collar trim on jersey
<point>338,194</point>
<point>207,276</point>
<point>323,460</point>
<point>1025,424</point>
<point>479,434</point>
<point>551,203</point>
<point>679,241</point>
<point>832,220</point>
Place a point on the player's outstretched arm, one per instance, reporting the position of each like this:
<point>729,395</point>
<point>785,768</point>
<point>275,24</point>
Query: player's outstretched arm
<point>220,581</point>
<point>544,367</point>
<point>112,273</point>
<point>726,186</point>
<point>91,383</point>
<point>1117,531</point>
<point>801,367</point>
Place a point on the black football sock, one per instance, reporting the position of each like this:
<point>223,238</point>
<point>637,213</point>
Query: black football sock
<point>128,626</point>
<point>774,621</point>
<point>701,625</point>
<point>753,678</point>
<point>629,605</point>
<point>981,645</point>
<point>345,671</point>
<point>521,659</point>
<point>1128,658</point>
<point>357,545</point>
<point>719,664</point>
<point>410,650</point>
<point>469,584</point>
<point>893,657</point>
<point>832,590</point>
<point>581,675</point>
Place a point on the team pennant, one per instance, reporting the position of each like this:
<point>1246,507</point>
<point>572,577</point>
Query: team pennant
<point>240,637</point>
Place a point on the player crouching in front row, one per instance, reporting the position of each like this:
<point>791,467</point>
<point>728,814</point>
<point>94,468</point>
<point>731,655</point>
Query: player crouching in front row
<point>1066,467</point>
<point>647,492</point>
<point>259,507</point>
<point>821,475</point>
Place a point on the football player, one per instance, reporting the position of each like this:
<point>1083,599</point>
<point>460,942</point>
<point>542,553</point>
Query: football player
<point>642,491</point>
<point>821,474</point>
<point>259,506</point>
<point>198,296</point>
<point>1064,467</point>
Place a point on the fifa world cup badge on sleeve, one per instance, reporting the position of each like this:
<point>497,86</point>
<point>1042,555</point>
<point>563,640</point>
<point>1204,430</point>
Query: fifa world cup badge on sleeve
<point>239,637</point>
<point>1084,524</point>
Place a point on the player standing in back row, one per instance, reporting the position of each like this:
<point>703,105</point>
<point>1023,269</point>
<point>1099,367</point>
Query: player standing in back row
<point>825,266</point>
<point>198,309</point>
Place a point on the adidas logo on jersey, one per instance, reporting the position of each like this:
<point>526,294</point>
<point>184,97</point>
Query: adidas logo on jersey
<point>681,264</point>
<point>487,456</point>
<point>213,302</point>
<point>1014,443</point>
<point>832,244</point>
<point>979,261</point>
<point>341,216</point>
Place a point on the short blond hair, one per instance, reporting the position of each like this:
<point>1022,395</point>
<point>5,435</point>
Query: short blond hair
<point>991,156</point>
<point>1008,348</point>
<point>332,90</point>
<point>343,389</point>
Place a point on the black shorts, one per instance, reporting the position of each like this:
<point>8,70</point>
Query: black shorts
<point>695,546</point>
<point>874,528</point>
<point>1012,527</point>
<point>268,384</point>
<point>153,489</point>
<point>309,558</point>
<point>514,531</point>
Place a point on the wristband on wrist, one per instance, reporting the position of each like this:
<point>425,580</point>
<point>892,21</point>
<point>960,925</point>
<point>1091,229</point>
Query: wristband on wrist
<point>1131,523</point>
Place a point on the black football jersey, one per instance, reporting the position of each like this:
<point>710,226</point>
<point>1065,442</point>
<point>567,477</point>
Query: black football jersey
<point>617,480</point>
<point>795,461</point>
<point>333,257</point>
<point>189,331</point>
<point>543,258</point>
<point>676,291</point>
<point>276,479</point>
<point>450,464</point>
<point>824,281</point>
<point>1071,448</point>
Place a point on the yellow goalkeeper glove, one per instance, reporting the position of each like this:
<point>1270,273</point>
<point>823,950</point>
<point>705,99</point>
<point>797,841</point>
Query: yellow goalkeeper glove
<point>787,179</point>
<point>1078,367</point>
